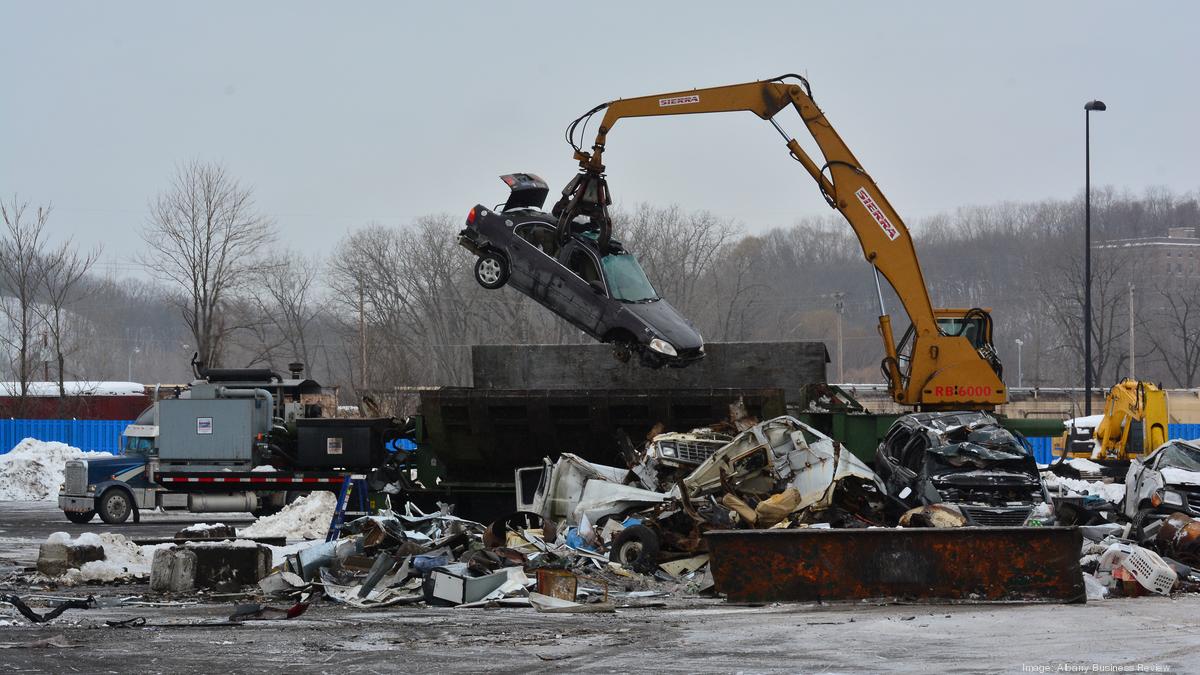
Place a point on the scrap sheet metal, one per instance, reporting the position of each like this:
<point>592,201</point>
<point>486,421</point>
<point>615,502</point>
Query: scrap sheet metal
<point>1036,564</point>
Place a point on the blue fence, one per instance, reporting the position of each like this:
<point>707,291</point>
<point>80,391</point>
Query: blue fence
<point>1045,454</point>
<point>95,435</point>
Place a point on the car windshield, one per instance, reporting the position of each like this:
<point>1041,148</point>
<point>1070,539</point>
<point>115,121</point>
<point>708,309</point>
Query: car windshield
<point>626,280</point>
<point>1180,456</point>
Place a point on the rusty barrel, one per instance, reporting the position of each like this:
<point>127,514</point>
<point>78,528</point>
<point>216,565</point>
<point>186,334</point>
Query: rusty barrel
<point>1038,564</point>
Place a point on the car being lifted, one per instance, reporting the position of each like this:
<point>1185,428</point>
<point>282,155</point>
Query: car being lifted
<point>578,272</point>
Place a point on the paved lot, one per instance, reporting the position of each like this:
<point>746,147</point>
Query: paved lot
<point>690,635</point>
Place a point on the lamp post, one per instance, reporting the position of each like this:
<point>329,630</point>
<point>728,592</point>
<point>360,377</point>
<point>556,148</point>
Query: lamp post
<point>1019,371</point>
<point>1087,253</point>
<point>129,364</point>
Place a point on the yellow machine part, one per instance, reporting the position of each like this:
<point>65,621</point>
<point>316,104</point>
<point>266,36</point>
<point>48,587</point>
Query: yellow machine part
<point>1134,423</point>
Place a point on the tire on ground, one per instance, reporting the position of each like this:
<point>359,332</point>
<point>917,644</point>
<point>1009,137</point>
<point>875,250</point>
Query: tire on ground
<point>115,506</point>
<point>79,517</point>
<point>636,547</point>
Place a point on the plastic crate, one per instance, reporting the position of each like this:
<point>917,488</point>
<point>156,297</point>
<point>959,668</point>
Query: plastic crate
<point>1150,570</point>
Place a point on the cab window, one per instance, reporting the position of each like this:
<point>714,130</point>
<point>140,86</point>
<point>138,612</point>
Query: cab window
<point>138,445</point>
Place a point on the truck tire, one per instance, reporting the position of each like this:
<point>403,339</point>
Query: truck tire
<point>115,506</point>
<point>636,547</point>
<point>79,517</point>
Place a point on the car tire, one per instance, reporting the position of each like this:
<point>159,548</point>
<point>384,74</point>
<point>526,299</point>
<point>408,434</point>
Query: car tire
<point>1140,520</point>
<point>79,517</point>
<point>636,547</point>
<point>491,270</point>
<point>115,506</point>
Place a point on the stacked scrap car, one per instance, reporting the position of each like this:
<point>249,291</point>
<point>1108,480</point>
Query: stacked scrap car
<point>1164,482</point>
<point>961,468</point>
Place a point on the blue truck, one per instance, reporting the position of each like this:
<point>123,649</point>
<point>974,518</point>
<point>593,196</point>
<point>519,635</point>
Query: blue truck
<point>236,440</point>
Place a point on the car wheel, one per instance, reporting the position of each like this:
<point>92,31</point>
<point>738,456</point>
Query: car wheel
<point>636,547</point>
<point>1140,520</point>
<point>115,506</point>
<point>491,270</point>
<point>79,517</point>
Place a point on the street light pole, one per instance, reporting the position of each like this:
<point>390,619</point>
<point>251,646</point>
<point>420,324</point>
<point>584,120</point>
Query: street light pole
<point>1087,253</point>
<point>1020,372</point>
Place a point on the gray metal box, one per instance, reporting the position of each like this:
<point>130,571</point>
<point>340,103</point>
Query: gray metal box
<point>206,429</point>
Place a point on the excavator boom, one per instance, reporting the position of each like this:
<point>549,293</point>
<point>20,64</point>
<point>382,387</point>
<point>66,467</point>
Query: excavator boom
<point>946,361</point>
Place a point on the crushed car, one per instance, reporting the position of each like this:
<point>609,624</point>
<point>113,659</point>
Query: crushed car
<point>961,468</point>
<point>1164,482</point>
<point>589,280</point>
<point>778,473</point>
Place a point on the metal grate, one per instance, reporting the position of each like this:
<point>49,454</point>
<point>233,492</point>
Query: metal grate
<point>990,517</point>
<point>75,477</point>
<point>692,451</point>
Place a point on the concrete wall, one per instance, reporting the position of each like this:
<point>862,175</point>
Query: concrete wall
<point>785,365</point>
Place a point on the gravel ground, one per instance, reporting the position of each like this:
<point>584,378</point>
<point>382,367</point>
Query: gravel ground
<point>689,635</point>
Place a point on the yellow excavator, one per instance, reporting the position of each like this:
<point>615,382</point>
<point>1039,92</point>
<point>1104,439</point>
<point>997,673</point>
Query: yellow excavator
<point>946,360</point>
<point>1134,422</point>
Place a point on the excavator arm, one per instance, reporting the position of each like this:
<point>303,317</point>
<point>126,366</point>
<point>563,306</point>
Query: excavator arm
<point>933,368</point>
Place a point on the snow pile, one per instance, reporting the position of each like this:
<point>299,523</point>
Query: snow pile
<point>1084,465</point>
<point>264,468</point>
<point>200,528</point>
<point>306,518</point>
<point>123,559</point>
<point>1112,492</point>
<point>33,470</point>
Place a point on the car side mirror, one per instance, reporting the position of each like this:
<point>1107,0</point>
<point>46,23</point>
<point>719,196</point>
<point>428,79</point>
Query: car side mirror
<point>597,288</point>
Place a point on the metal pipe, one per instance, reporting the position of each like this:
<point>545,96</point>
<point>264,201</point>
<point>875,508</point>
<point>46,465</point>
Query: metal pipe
<point>226,392</point>
<point>879,290</point>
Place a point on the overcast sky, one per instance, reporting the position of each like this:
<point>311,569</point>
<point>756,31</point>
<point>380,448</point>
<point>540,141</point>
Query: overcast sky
<point>342,113</point>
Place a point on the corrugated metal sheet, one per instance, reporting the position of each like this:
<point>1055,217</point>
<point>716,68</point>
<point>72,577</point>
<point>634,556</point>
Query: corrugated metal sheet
<point>1044,453</point>
<point>94,435</point>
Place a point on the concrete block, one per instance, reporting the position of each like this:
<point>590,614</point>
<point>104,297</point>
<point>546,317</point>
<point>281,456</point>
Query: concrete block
<point>230,565</point>
<point>173,570</point>
<point>56,557</point>
<point>207,531</point>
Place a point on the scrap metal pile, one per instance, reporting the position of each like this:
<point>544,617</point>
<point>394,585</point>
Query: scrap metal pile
<point>437,559</point>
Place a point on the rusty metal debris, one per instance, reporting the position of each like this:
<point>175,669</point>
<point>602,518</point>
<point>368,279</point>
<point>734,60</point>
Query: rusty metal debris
<point>966,563</point>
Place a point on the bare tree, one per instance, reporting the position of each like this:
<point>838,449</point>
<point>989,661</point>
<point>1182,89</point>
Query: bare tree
<point>22,248</point>
<point>288,305</point>
<point>1174,326</point>
<point>63,270</point>
<point>203,236</point>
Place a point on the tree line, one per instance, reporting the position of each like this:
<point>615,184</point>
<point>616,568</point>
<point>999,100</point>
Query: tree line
<point>396,304</point>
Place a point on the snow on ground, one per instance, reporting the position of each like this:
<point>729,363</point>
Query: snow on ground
<point>33,470</point>
<point>123,559</point>
<point>306,518</point>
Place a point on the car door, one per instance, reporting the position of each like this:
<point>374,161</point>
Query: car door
<point>534,247</point>
<point>581,288</point>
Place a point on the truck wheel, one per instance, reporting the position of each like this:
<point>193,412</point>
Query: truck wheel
<point>79,517</point>
<point>636,547</point>
<point>115,506</point>
<point>491,270</point>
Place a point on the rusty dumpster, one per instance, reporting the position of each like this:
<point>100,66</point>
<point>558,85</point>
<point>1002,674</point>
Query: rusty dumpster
<point>1036,564</point>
